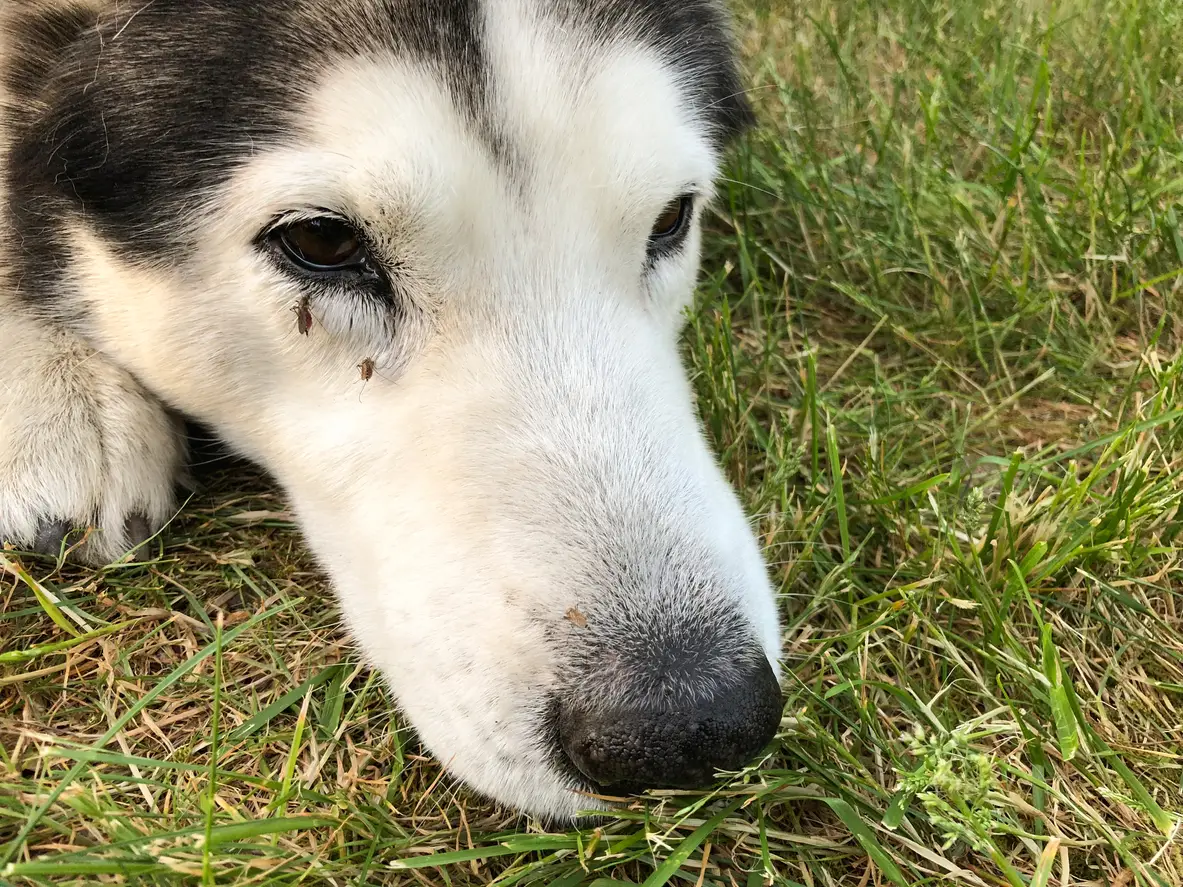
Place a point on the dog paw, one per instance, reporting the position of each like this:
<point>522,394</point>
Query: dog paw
<point>89,461</point>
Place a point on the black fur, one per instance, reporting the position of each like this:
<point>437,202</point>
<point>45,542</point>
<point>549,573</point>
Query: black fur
<point>128,135</point>
<point>40,42</point>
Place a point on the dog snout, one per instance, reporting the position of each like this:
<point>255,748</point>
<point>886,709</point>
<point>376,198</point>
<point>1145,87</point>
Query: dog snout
<point>678,738</point>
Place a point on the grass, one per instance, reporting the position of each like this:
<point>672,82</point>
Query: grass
<point>937,349</point>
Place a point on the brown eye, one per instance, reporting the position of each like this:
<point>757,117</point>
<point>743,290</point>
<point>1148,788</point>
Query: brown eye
<point>671,225</point>
<point>323,244</point>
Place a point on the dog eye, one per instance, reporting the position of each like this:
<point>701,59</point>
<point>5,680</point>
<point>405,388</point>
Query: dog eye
<point>322,245</point>
<point>671,225</point>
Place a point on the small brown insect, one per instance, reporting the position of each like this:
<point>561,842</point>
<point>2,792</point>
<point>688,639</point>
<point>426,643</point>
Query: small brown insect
<point>366,367</point>
<point>576,618</point>
<point>303,316</point>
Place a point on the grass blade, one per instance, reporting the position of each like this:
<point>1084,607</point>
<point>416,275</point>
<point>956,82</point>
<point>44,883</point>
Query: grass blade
<point>867,840</point>
<point>664,872</point>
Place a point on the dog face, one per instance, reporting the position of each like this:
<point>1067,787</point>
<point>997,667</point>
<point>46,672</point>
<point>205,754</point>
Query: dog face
<point>427,263</point>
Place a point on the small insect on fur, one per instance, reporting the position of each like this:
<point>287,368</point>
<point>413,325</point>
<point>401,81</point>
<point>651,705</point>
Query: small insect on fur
<point>366,369</point>
<point>303,316</point>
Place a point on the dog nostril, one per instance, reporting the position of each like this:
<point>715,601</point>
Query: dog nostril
<point>674,744</point>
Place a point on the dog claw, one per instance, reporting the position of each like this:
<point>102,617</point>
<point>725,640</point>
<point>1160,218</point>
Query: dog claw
<point>138,532</point>
<point>50,537</point>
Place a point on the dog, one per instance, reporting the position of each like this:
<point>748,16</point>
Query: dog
<point>426,262</point>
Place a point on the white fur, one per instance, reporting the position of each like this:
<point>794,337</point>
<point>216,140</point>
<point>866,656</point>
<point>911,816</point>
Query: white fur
<point>529,419</point>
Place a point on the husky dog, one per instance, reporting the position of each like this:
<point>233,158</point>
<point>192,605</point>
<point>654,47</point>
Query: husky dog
<point>426,261</point>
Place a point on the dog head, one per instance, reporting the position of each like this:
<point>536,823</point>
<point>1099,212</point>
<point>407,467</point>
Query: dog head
<point>427,263</point>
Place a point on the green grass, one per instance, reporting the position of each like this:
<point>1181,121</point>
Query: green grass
<point>936,347</point>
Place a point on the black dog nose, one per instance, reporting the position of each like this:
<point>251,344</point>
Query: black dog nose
<point>674,741</point>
